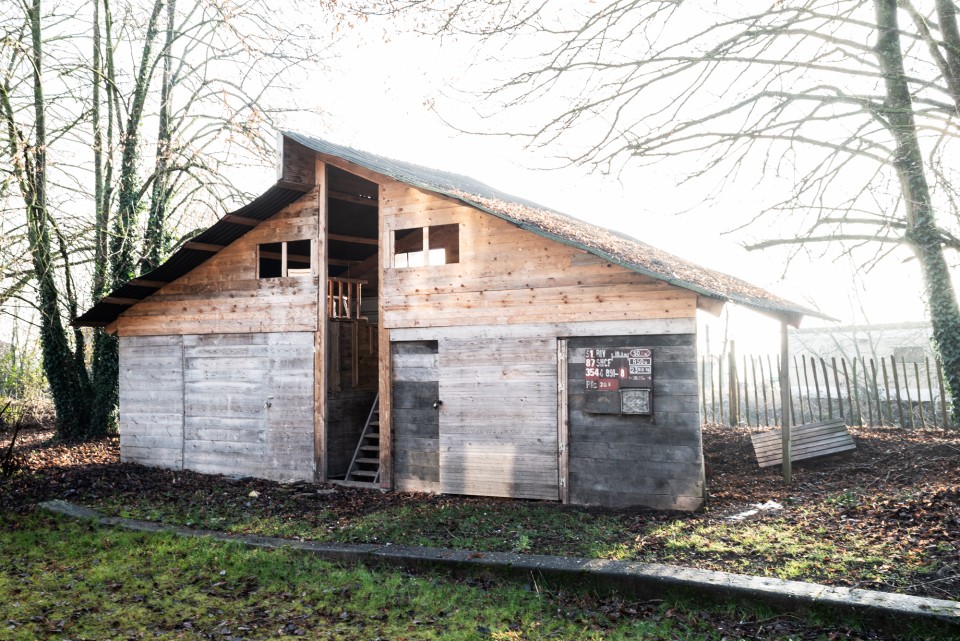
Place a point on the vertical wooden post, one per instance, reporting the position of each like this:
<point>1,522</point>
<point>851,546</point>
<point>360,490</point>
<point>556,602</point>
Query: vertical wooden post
<point>806,380</point>
<point>756,393</point>
<point>856,391</point>
<point>906,386</point>
<point>896,387</point>
<point>793,409</point>
<point>943,394</point>
<point>283,259</point>
<point>933,405</point>
<point>763,382</point>
<point>816,387</point>
<point>836,380</point>
<point>916,373</point>
<point>320,346</point>
<point>733,385</point>
<point>876,392</point>
<point>384,357</point>
<point>773,396</point>
<point>703,388</point>
<point>846,380</point>
<point>826,385</point>
<point>720,385</point>
<point>796,370</point>
<point>713,397</point>
<point>866,388</point>
<point>886,387</point>
<point>785,400</point>
<point>563,423</point>
<point>746,392</point>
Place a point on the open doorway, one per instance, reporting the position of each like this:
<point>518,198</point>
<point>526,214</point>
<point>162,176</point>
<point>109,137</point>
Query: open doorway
<point>352,354</point>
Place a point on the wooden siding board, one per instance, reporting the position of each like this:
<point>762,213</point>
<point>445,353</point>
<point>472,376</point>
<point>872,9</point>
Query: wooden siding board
<point>151,401</point>
<point>416,424</point>
<point>498,432</point>
<point>507,275</point>
<point>642,327</point>
<point>249,404</point>
<point>224,295</point>
<point>622,460</point>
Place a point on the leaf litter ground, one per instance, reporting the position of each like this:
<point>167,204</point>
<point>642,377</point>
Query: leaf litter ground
<point>885,517</point>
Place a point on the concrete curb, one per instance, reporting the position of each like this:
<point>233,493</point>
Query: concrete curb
<point>641,579</point>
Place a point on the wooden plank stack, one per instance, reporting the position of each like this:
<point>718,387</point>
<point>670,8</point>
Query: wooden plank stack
<point>807,441</point>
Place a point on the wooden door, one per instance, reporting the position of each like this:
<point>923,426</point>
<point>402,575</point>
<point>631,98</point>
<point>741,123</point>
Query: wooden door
<point>498,421</point>
<point>248,404</point>
<point>416,422</point>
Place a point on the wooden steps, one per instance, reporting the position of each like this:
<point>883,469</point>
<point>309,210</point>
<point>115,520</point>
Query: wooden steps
<point>364,470</point>
<point>806,441</point>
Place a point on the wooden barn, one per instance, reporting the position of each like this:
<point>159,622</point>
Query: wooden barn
<point>369,321</point>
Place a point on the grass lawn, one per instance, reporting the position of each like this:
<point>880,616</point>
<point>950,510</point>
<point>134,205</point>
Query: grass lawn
<point>65,579</point>
<point>811,543</point>
<point>886,517</point>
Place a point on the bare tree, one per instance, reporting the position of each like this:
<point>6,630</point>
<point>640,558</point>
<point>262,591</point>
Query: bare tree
<point>209,78</point>
<point>856,102</point>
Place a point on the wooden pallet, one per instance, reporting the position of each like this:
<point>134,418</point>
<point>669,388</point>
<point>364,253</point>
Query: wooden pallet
<point>806,441</point>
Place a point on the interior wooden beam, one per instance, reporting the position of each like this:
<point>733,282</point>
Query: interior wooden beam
<point>352,198</point>
<point>710,305</point>
<point>140,282</point>
<point>204,247</point>
<point>241,220</point>
<point>342,262</point>
<point>286,184</point>
<point>353,239</point>
<point>90,323</point>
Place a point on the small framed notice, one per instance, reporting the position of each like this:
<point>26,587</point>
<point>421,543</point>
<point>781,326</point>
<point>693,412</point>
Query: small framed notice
<point>618,380</point>
<point>635,401</point>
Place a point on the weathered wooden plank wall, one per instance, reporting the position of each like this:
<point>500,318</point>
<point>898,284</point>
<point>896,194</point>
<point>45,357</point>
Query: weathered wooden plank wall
<point>249,404</point>
<point>151,401</point>
<point>502,439</point>
<point>498,423</point>
<point>224,295</point>
<point>416,424</point>
<point>621,460</point>
<point>220,403</point>
<point>507,275</point>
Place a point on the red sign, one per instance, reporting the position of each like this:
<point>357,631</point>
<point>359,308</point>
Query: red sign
<point>609,369</point>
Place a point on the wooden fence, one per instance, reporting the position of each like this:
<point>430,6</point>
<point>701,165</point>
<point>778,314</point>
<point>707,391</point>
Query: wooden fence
<point>863,391</point>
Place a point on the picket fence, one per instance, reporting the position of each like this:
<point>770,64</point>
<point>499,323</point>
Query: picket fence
<point>860,390</point>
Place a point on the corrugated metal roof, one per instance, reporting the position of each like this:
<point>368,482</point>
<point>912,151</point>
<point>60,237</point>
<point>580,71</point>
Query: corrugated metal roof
<point>616,247</point>
<point>185,259</point>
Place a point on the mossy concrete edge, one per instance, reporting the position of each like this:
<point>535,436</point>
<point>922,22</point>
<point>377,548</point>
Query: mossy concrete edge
<point>641,579</point>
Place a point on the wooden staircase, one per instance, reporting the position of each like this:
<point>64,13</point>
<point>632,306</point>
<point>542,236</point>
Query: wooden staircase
<point>364,469</point>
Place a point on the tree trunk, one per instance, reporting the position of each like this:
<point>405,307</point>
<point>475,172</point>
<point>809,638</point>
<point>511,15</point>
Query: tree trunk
<point>922,234</point>
<point>60,363</point>
<point>122,245</point>
<point>156,239</point>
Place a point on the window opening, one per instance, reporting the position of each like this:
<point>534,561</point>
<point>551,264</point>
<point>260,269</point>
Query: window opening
<point>288,258</point>
<point>298,258</point>
<point>433,245</point>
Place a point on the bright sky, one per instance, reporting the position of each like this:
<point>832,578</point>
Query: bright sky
<point>376,98</point>
<point>377,95</point>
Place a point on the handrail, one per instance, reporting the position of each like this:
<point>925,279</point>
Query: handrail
<point>344,296</point>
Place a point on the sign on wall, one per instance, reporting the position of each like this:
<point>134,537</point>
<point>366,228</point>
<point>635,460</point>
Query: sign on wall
<point>618,380</point>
